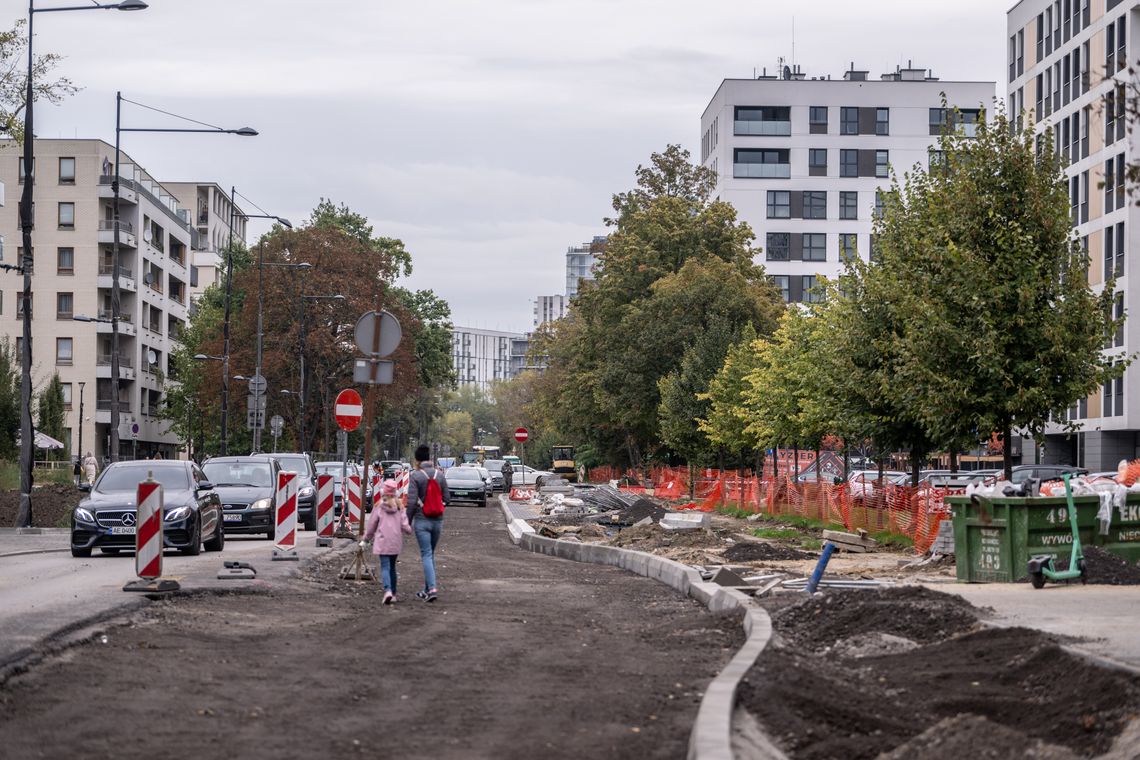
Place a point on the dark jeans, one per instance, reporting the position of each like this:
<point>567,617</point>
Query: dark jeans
<point>388,571</point>
<point>427,531</point>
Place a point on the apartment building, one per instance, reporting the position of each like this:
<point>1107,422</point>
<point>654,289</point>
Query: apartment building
<point>802,158</point>
<point>549,308</point>
<point>480,357</point>
<point>1067,63</point>
<point>581,261</point>
<point>211,213</point>
<point>72,253</point>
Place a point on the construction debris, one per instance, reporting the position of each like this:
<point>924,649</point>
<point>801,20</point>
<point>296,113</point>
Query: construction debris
<point>685,521</point>
<point>851,542</point>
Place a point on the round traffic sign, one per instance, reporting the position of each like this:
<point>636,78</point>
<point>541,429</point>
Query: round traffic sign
<point>377,333</point>
<point>521,434</point>
<point>257,384</point>
<point>349,409</point>
<point>276,424</point>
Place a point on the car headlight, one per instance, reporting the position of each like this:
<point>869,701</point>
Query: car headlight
<point>261,505</point>
<point>306,491</point>
<point>84,515</point>
<point>178,513</point>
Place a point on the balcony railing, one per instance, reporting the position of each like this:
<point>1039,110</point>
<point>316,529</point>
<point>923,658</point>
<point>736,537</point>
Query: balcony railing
<point>104,360</point>
<point>108,225</point>
<point>764,128</point>
<point>104,405</point>
<point>107,268</point>
<point>123,316</point>
<point>764,171</point>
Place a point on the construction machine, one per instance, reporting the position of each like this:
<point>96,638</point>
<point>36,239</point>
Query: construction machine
<point>563,465</point>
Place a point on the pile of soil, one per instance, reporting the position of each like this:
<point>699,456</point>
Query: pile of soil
<point>1001,692</point>
<point>751,551</point>
<point>51,506</point>
<point>1103,567</point>
<point>650,537</point>
<point>641,509</point>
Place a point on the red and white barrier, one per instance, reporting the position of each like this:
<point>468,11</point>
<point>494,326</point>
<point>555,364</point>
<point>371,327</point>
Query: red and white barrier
<point>521,494</point>
<point>325,487</point>
<point>353,501</point>
<point>403,480</point>
<point>285,536</point>
<point>148,534</point>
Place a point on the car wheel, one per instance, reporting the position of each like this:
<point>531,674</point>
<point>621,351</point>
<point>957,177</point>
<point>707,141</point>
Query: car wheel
<point>195,547</point>
<point>77,552</point>
<point>218,542</point>
<point>111,550</point>
<point>483,503</point>
<point>311,520</point>
<point>538,482</point>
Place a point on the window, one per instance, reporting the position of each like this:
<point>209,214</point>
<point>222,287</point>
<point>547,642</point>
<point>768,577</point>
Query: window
<point>763,120</point>
<point>63,350</point>
<point>1085,196</point>
<point>64,305</point>
<point>817,162</point>
<point>783,284</point>
<point>848,120</point>
<point>67,171</point>
<point>848,163</point>
<point>882,163</point>
<point>66,395</point>
<point>1114,176</point>
<point>777,246</point>
<point>872,249</point>
<point>779,204</point>
<point>847,244</point>
<point>848,204</point>
<point>20,304</point>
<point>817,120</point>
<point>763,163</point>
<point>30,264</point>
<point>807,287</point>
<point>936,159</point>
<point>1118,314</point>
<point>67,215</point>
<point>815,204</point>
<point>65,261</point>
<point>882,121</point>
<point>1113,399</point>
<point>878,213</point>
<point>1114,250</point>
<point>815,246</point>
<point>20,163</point>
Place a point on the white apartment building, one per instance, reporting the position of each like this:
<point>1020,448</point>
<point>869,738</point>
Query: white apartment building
<point>72,250</point>
<point>549,308</point>
<point>1067,63</point>
<point>210,231</point>
<point>481,357</point>
<point>581,261</point>
<point>801,158</point>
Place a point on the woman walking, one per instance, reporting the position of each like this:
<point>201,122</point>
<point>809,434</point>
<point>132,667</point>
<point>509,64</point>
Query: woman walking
<point>427,496</point>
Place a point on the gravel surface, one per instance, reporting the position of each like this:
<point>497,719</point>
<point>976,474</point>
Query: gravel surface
<point>523,656</point>
<point>1104,567</point>
<point>753,551</point>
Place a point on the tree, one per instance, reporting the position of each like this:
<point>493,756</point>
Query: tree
<point>9,399</point>
<point>14,80</point>
<point>50,418</point>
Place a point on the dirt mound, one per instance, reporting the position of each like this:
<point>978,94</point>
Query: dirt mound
<point>1106,568</point>
<point>51,506</point>
<point>974,736</point>
<point>910,612</point>
<point>641,509</point>
<point>649,537</point>
<point>752,551</point>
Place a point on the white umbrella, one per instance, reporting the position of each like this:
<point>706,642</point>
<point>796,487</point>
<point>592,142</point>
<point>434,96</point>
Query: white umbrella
<point>43,441</point>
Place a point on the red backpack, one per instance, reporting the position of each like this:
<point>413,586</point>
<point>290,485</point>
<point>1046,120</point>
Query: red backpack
<point>433,501</point>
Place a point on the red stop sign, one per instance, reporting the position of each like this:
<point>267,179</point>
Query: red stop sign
<point>521,434</point>
<point>349,410</point>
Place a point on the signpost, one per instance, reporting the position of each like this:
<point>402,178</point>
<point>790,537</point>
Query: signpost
<point>521,434</point>
<point>276,425</point>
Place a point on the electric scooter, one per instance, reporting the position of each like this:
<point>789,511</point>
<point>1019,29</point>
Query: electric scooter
<point>1041,566</point>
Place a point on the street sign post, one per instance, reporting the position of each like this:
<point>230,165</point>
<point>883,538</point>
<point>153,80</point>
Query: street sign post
<point>349,409</point>
<point>521,434</point>
<point>276,425</point>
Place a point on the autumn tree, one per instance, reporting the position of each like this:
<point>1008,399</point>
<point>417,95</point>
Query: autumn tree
<point>50,417</point>
<point>14,80</point>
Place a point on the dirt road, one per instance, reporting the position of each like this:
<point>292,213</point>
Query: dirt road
<point>523,656</point>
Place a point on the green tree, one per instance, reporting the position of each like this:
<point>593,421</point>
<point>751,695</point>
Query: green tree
<point>9,399</point>
<point>14,80</point>
<point>50,415</point>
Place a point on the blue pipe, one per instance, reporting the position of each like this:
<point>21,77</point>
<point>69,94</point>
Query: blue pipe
<point>820,566</point>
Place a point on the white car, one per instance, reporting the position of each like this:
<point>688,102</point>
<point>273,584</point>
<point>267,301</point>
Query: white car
<point>863,484</point>
<point>528,476</point>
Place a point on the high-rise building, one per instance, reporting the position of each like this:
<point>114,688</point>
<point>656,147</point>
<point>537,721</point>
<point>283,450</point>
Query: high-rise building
<point>549,308</point>
<point>1067,68</point>
<point>211,212</point>
<point>480,357</point>
<point>581,261</point>
<point>72,251</point>
<point>802,159</point>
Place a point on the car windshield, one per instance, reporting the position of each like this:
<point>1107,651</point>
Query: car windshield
<point>295,463</point>
<point>223,474</point>
<point>336,470</point>
<point>464,473</point>
<point>126,477</point>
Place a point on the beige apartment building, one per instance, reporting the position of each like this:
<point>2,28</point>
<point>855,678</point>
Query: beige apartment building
<point>211,211</point>
<point>1067,64</point>
<point>72,252</point>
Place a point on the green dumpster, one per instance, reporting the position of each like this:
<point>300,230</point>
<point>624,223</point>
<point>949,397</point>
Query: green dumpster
<point>1124,532</point>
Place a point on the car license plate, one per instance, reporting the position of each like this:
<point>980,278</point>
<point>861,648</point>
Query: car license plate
<point>123,530</point>
<point>460,493</point>
<point>231,518</point>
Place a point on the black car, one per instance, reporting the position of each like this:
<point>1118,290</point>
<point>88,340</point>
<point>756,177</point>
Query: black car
<point>248,490</point>
<point>306,487</point>
<point>466,484</point>
<point>107,517</point>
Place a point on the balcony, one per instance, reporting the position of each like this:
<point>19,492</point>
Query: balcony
<point>762,171</point>
<point>127,237</point>
<point>126,325</point>
<point>103,368</point>
<point>126,277</point>
<point>127,193</point>
<point>762,128</point>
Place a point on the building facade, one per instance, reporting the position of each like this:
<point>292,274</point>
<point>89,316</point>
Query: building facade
<point>581,261</point>
<point>549,308</point>
<point>72,253</point>
<point>211,212</point>
<point>1067,65</point>
<point>481,357</point>
<point>801,159</point>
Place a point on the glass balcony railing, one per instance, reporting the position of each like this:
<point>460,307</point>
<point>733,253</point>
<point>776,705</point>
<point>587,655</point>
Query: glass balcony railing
<point>762,171</point>
<point>764,128</point>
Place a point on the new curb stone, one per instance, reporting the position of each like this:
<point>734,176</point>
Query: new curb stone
<point>711,738</point>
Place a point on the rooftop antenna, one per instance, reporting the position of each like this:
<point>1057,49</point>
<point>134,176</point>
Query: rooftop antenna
<point>793,41</point>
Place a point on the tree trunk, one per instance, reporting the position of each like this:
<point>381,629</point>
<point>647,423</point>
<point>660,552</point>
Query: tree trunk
<point>692,483</point>
<point>1007,452</point>
<point>740,480</point>
<point>915,465</point>
<point>953,460</point>
<point>720,466</point>
<point>759,475</point>
<point>846,463</point>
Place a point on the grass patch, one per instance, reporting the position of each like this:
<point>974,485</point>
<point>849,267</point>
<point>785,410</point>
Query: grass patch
<point>892,540</point>
<point>811,544</point>
<point>776,532</point>
<point>794,526</point>
<point>10,476</point>
<point>741,514</point>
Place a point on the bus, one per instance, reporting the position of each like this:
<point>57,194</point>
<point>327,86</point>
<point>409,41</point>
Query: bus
<point>481,453</point>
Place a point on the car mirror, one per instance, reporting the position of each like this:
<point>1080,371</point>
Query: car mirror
<point>85,487</point>
<point>204,485</point>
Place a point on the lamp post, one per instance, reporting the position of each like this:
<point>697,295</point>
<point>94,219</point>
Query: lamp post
<point>119,129</point>
<point>24,514</point>
<point>79,451</point>
<point>301,353</point>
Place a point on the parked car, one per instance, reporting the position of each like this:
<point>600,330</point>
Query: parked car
<point>466,484</point>
<point>495,468</point>
<point>302,464</point>
<point>528,476</point>
<point>106,519</point>
<point>945,479</point>
<point>864,483</point>
<point>338,471</point>
<point>247,487</point>
<point>1043,472</point>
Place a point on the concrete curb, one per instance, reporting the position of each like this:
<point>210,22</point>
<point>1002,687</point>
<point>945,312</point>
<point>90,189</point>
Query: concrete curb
<point>22,552</point>
<point>711,738</point>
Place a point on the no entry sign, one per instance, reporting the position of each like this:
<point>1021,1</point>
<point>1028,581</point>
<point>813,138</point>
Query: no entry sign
<point>349,409</point>
<point>521,434</point>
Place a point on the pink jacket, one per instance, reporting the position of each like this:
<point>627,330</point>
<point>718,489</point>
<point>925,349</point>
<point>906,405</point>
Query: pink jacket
<point>386,523</point>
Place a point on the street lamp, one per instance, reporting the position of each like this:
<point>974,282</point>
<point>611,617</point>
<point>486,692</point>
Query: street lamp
<point>24,513</point>
<point>301,351</point>
<point>244,132</point>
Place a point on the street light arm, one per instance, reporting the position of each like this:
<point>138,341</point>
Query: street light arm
<point>127,5</point>
<point>243,131</point>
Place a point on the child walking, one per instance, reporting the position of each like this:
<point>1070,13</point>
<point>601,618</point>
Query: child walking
<point>386,525</point>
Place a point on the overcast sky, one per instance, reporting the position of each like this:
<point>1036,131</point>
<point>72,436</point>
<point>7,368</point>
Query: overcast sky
<point>489,135</point>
